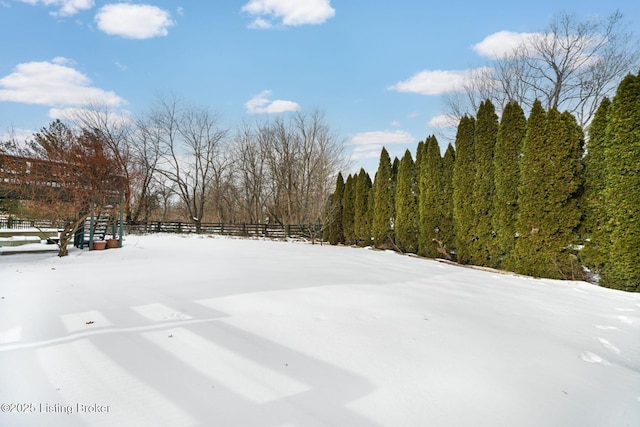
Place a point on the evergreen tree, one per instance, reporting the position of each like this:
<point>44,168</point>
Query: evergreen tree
<point>447,235</point>
<point>371,208</point>
<point>362,225</point>
<point>420,150</point>
<point>395,167</point>
<point>530,202</point>
<point>594,225</point>
<point>327,218</point>
<point>406,219</point>
<point>622,192</point>
<point>511,133</point>
<point>383,206</point>
<point>486,132</point>
<point>430,198</point>
<point>335,232</point>
<point>550,185</point>
<point>463,176</point>
<point>348,211</point>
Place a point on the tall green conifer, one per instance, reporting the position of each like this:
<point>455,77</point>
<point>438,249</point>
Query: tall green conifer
<point>511,133</point>
<point>335,233</point>
<point>551,182</point>
<point>362,224</point>
<point>486,132</point>
<point>371,208</point>
<point>594,225</point>
<point>463,177</point>
<point>348,211</point>
<point>420,150</point>
<point>622,192</point>
<point>430,199</point>
<point>447,235</point>
<point>383,211</point>
<point>406,212</point>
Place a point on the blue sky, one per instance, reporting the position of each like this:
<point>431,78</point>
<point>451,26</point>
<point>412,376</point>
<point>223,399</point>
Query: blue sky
<point>378,69</point>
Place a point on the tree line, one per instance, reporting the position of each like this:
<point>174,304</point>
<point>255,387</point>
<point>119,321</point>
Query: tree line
<point>523,194</point>
<point>176,161</point>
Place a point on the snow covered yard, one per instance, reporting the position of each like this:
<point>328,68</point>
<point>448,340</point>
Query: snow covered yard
<point>202,331</point>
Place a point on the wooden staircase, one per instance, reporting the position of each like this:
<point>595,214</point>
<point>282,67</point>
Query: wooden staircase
<point>100,228</point>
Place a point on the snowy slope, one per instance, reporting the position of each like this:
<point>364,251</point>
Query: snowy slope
<point>201,331</point>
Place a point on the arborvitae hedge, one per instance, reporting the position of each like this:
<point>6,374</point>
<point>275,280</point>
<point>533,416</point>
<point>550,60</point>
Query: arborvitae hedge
<point>371,207</point>
<point>486,131</point>
<point>348,211</point>
<point>557,196</point>
<point>446,223</point>
<point>463,176</point>
<point>550,185</point>
<point>430,199</point>
<point>508,149</point>
<point>383,207</point>
<point>362,223</point>
<point>622,192</point>
<point>594,227</point>
<point>406,218</point>
<point>335,231</point>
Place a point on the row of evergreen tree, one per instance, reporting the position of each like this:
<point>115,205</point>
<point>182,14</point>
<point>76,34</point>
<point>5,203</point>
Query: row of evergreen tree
<point>520,194</point>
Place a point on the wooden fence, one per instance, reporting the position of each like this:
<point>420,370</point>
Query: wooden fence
<point>23,224</point>
<point>280,231</point>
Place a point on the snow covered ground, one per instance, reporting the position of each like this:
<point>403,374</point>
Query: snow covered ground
<point>210,331</point>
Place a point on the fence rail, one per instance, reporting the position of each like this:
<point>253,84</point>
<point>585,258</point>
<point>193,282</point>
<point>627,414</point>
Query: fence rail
<point>23,224</point>
<point>307,231</point>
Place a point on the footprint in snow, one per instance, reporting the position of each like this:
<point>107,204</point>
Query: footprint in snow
<point>589,357</point>
<point>178,316</point>
<point>626,320</point>
<point>606,344</point>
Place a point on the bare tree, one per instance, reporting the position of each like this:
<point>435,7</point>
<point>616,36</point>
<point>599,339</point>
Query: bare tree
<point>145,146</point>
<point>116,135</point>
<point>189,143</point>
<point>249,154</point>
<point>303,157</point>
<point>570,66</point>
<point>285,168</point>
<point>321,158</point>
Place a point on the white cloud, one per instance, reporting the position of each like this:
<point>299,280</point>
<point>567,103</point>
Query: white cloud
<point>436,82</point>
<point>502,43</point>
<point>134,21</point>
<point>443,121</point>
<point>261,104</point>
<point>65,7</point>
<point>54,84</point>
<point>18,135</point>
<point>288,12</point>
<point>260,24</point>
<point>122,117</point>
<point>369,144</point>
